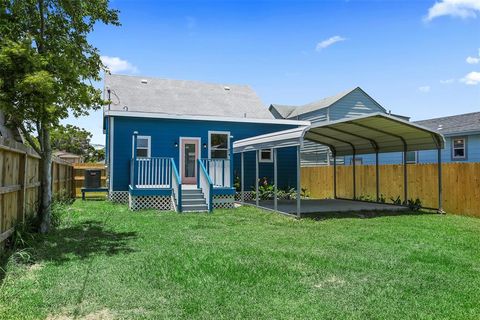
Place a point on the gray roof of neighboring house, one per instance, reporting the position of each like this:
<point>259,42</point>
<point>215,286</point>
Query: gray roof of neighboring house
<point>184,97</point>
<point>462,123</point>
<point>293,111</point>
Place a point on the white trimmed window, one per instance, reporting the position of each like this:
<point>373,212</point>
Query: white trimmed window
<point>143,147</point>
<point>459,148</point>
<point>219,144</point>
<point>266,155</point>
<point>412,156</point>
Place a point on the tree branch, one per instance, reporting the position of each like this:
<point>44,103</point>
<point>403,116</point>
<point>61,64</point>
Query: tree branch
<point>29,138</point>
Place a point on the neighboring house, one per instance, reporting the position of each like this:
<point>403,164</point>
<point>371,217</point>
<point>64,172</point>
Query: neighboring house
<point>158,127</point>
<point>69,157</point>
<point>351,103</point>
<point>462,142</point>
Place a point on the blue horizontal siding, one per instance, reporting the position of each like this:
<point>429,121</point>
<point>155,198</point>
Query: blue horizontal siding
<point>166,132</point>
<point>428,156</point>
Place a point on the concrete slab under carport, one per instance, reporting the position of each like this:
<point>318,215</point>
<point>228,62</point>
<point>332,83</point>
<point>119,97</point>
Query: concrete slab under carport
<point>310,206</point>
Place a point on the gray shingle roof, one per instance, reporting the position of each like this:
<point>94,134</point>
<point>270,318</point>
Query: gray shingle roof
<point>462,123</point>
<point>294,111</point>
<point>184,97</point>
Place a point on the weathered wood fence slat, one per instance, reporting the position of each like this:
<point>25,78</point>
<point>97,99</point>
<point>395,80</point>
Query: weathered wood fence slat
<point>20,183</point>
<point>461,184</point>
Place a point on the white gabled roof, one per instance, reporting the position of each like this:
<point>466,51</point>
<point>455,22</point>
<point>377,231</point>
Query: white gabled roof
<point>377,132</point>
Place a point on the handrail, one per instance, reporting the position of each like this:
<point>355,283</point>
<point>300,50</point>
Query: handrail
<point>151,172</point>
<point>219,171</point>
<point>205,183</point>
<point>176,185</point>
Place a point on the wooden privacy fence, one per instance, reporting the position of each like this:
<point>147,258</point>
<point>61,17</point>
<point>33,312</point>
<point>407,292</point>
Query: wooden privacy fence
<point>79,173</point>
<point>20,183</point>
<point>461,184</point>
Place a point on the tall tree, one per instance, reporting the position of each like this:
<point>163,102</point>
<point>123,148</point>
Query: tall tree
<point>75,140</point>
<point>46,69</point>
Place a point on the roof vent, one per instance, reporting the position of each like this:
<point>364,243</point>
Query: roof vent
<point>144,81</point>
<point>226,88</point>
<point>440,127</point>
<point>125,108</point>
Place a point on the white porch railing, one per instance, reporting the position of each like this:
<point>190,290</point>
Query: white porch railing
<point>219,171</point>
<point>205,183</point>
<point>152,172</point>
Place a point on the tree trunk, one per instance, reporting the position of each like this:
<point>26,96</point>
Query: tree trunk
<point>46,173</point>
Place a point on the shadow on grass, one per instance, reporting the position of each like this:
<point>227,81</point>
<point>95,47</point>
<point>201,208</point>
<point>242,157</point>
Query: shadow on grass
<point>367,214</point>
<point>82,241</point>
<point>76,242</point>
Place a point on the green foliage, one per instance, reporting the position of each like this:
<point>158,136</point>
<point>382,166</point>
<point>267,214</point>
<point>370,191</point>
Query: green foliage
<point>46,69</point>
<point>304,193</point>
<point>414,205</point>
<point>75,140</point>
<point>397,200</point>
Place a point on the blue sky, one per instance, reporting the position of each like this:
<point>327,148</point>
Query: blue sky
<point>416,58</point>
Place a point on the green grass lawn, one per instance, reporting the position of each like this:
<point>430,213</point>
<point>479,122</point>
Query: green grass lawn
<point>107,262</point>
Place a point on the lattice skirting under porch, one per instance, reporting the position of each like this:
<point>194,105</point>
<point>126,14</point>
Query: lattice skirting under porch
<point>247,195</point>
<point>223,201</point>
<point>118,197</point>
<point>250,196</point>
<point>150,202</point>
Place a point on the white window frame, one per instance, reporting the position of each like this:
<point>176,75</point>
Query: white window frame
<point>210,143</point>
<point>149,150</point>
<point>416,158</point>
<point>465,141</point>
<point>265,160</point>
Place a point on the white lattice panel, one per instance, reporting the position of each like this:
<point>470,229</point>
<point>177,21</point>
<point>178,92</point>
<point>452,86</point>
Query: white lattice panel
<point>118,196</point>
<point>223,201</point>
<point>248,196</point>
<point>150,202</point>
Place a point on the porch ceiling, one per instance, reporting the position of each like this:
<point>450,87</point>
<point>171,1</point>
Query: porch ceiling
<point>377,132</point>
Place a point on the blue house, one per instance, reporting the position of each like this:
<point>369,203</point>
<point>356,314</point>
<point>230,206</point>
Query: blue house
<point>462,142</point>
<point>169,142</point>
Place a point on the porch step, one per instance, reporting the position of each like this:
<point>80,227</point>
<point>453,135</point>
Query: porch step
<point>193,200</point>
<point>191,191</point>
<point>194,207</point>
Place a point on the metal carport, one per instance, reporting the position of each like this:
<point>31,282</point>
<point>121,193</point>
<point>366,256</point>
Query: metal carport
<point>368,134</point>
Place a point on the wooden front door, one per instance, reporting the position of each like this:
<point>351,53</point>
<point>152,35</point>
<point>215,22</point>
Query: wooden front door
<point>188,160</point>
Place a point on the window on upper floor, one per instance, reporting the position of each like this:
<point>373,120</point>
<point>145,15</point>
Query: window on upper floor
<point>266,155</point>
<point>412,156</point>
<point>218,144</point>
<point>143,147</point>
<point>459,148</point>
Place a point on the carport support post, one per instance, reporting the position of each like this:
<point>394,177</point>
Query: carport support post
<point>298,183</point>
<point>377,177</point>
<point>405,177</point>
<point>334,175</point>
<point>275,179</point>
<point>440,196</point>
<point>354,176</point>
<point>256,178</point>
<point>242,174</point>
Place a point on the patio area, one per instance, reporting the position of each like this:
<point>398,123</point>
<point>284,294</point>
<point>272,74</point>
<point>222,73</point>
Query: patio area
<point>309,206</point>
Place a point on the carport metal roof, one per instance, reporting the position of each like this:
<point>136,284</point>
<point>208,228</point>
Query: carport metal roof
<point>372,133</point>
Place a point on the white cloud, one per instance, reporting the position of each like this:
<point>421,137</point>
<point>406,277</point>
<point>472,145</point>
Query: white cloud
<point>447,81</point>
<point>328,42</point>
<point>473,60</point>
<point>116,65</point>
<point>473,78</point>
<point>455,8</point>
<point>424,89</point>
